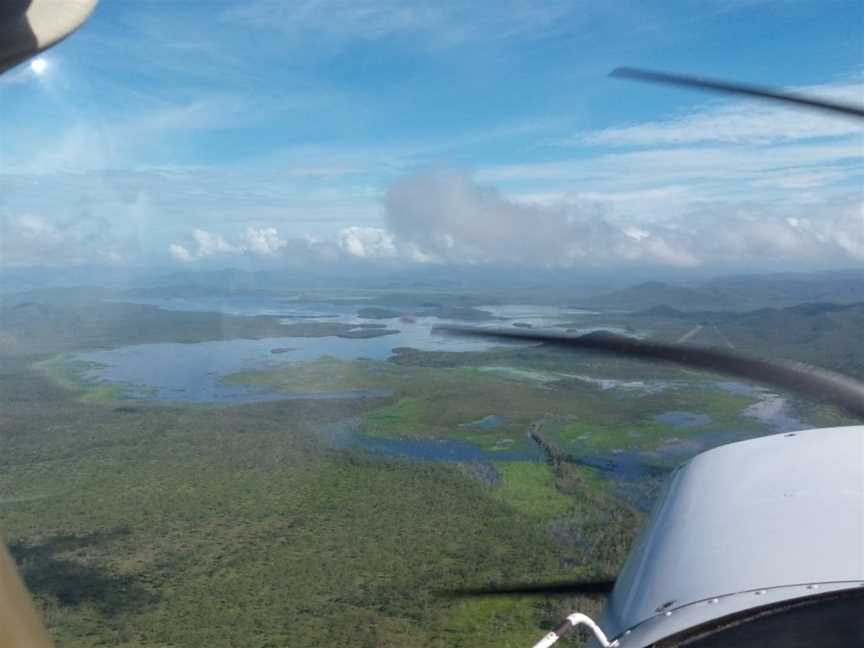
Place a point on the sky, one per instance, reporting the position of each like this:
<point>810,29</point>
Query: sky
<point>197,133</point>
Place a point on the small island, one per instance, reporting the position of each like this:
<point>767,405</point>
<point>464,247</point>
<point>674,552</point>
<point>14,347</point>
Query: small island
<point>373,312</point>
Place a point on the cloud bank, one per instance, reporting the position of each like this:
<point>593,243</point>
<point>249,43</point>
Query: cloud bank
<point>262,242</point>
<point>449,217</point>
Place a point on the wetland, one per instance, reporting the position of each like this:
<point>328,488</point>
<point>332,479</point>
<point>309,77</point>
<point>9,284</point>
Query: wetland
<point>289,449</point>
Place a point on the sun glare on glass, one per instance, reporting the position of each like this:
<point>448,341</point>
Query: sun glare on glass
<point>38,65</point>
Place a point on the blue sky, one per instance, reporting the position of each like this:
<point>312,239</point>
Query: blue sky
<point>215,132</point>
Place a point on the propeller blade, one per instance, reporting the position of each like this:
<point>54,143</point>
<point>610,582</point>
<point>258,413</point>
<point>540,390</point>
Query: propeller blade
<point>759,92</point>
<point>813,382</point>
<point>571,588</point>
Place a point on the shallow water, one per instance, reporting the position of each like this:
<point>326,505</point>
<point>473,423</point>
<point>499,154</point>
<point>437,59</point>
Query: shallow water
<point>486,423</point>
<point>644,386</point>
<point>346,434</point>
<point>772,409</point>
<point>441,450</point>
<point>535,316</point>
<point>192,372</point>
<point>683,419</point>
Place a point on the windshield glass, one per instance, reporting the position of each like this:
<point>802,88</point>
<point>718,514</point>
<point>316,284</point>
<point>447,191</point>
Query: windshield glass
<point>228,230</point>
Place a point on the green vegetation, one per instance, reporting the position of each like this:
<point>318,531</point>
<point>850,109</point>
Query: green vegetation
<point>509,619</point>
<point>69,373</point>
<point>324,374</point>
<point>631,428</point>
<point>530,488</point>
<point>401,419</point>
<point>145,524</point>
<point>439,402</point>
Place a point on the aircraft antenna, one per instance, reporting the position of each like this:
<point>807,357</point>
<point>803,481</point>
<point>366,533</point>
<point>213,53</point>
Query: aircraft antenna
<point>571,623</point>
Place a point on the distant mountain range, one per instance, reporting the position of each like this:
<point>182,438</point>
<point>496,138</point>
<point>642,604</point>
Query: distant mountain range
<point>603,289</point>
<point>738,293</point>
<point>731,317</point>
<point>825,334</point>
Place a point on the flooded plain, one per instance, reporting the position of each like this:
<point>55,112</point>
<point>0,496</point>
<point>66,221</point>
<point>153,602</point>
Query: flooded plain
<point>193,372</point>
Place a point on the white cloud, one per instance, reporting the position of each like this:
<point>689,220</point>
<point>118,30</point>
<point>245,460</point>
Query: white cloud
<point>210,244</point>
<point>256,241</point>
<point>69,142</point>
<point>719,153</point>
<point>180,253</point>
<point>157,205</point>
<point>259,242</point>
<point>738,122</point>
<point>440,23</point>
<point>29,239</point>
<point>450,218</point>
<point>658,184</point>
<point>262,241</point>
<point>367,242</point>
<point>650,168</point>
<point>848,233</point>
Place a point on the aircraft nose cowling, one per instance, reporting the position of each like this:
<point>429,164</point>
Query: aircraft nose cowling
<point>744,525</point>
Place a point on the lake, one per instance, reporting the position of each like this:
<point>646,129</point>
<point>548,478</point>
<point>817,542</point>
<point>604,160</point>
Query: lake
<point>193,372</point>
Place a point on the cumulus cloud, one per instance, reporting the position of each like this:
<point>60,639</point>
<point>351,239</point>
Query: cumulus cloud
<point>180,253</point>
<point>262,243</point>
<point>828,233</point>
<point>212,244</point>
<point>354,242</point>
<point>29,239</point>
<point>367,242</point>
<point>256,241</point>
<point>448,217</point>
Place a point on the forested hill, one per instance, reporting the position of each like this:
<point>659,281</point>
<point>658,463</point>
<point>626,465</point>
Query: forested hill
<point>741,293</point>
<point>826,334</point>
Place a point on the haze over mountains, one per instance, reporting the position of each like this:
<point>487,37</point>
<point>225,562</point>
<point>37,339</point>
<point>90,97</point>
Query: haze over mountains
<point>601,289</point>
<point>741,292</point>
